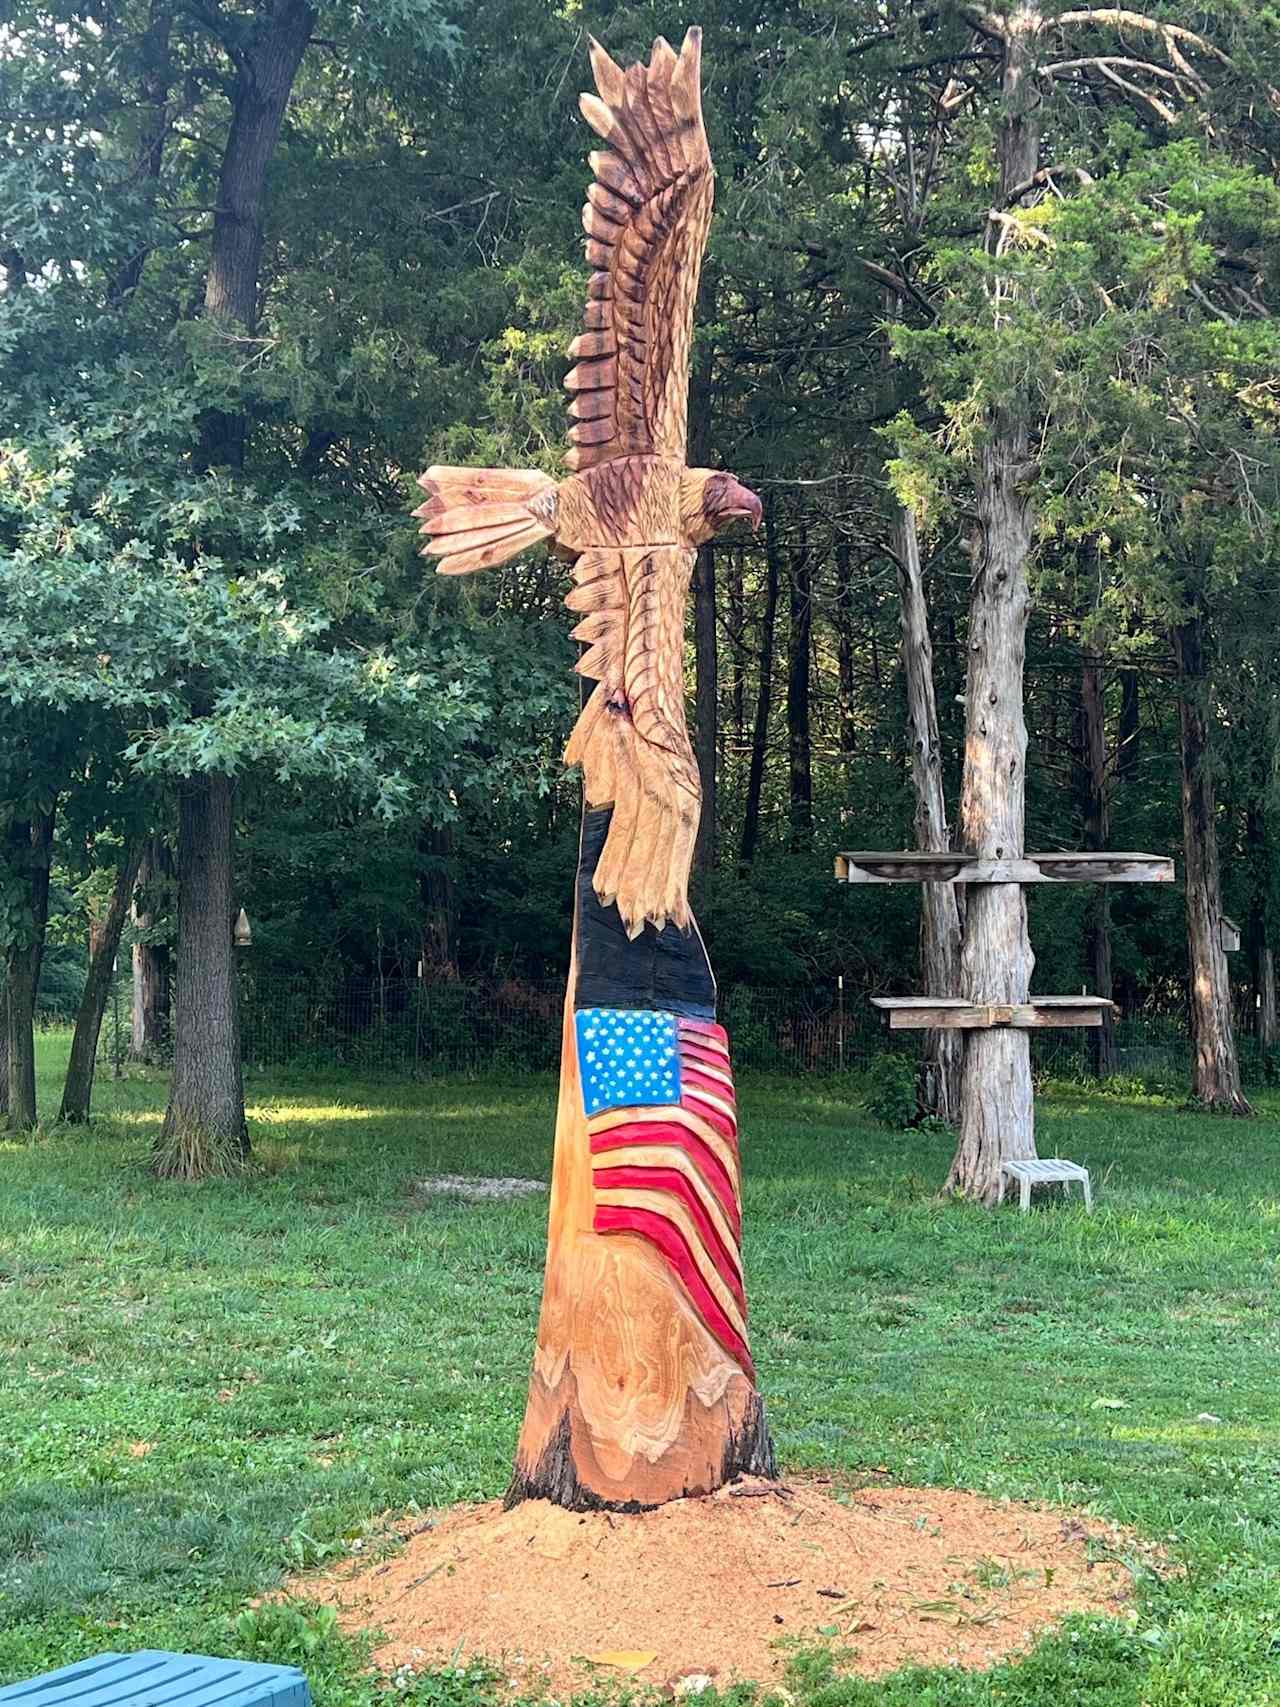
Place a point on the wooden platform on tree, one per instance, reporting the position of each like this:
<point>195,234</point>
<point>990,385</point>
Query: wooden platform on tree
<point>911,867</point>
<point>954,1013</point>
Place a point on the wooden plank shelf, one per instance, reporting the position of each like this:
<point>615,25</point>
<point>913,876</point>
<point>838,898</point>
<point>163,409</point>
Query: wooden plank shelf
<point>954,1013</point>
<point>915,867</point>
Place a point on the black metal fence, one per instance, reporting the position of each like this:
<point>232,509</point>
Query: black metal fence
<point>392,1027</point>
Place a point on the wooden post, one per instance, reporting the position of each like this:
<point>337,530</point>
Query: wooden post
<point>643,1388</point>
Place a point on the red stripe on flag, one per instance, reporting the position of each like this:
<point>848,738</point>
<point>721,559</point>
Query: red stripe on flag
<point>704,1028</point>
<point>670,1241</point>
<point>695,1052</point>
<point>717,1087</point>
<point>697,1149</point>
<point>724,1123</point>
<point>672,1180</point>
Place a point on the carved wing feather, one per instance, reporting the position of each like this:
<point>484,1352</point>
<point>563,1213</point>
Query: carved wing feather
<point>631,739</point>
<point>646,217</point>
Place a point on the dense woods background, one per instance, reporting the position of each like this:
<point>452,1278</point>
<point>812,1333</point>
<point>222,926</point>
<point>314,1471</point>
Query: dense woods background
<point>264,263</point>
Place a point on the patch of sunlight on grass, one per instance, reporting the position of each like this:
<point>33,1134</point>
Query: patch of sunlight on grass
<point>316,1112</point>
<point>1196,1433</point>
<point>321,1114</point>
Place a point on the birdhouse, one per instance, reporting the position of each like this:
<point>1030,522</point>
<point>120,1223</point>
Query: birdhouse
<point>241,935</point>
<point>1228,935</point>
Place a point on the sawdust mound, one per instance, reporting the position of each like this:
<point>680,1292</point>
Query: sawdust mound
<point>728,1587</point>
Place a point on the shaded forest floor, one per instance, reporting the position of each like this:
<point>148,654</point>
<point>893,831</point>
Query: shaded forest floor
<point>204,1390</point>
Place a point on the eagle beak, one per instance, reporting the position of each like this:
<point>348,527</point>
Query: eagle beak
<point>739,500</point>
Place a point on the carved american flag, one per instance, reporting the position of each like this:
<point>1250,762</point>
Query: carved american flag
<point>663,1128</point>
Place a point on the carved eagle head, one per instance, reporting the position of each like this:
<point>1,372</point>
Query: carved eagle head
<point>710,501</point>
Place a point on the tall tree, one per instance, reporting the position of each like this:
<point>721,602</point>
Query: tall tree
<point>764,690</point>
<point>29,851</point>
<point>799,734</point>
<point>996,1095</point>
<point>150,1007</point>
<point>1215,1061</point>
<point>940,922</point>
<point>204,1122</point>
<point>105,934</point>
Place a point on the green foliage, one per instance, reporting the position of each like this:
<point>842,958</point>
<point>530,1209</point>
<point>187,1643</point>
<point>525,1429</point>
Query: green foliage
<point>287,1632</point>
<point>890,1093</point>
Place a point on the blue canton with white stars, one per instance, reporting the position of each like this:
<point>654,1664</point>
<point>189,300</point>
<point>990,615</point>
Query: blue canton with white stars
<point>626,1057</point>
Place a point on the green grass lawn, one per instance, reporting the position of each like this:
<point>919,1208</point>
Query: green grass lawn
<point>204,1388</point>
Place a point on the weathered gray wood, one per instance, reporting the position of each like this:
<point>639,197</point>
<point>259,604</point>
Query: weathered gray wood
<point>1102,868</point>
<point>955,1013</point>
<point>910,867</point>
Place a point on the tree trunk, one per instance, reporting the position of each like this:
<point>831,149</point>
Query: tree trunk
<point>1267,1028</point>
<point>267,62</point>
<point>940,929</point>
<point>149,1036</point>
<point>4,1043</point>
<point>997,1111</point>
<point>1216,1068</point>
<point>204,1128</point>
<point>30,855</point>
<point>799,746</point>
<point>157,77</point>
<point>844,652</point>
<point>1262,960</point>
<point>764,693</point>
<point>737,635</point>
<point>78,1089</point>
<point>1096,824</point>
<point>706,703</point>
<point>706,715</point>
<point>643,1388</point>
<point>1127,744</point>
<point>438,898</point>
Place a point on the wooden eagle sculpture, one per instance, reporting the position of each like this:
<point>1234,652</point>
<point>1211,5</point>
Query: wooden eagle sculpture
<point>643,1387</point>
<point>631,514</point>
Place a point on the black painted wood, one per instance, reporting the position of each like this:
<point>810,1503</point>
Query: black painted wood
<point>664,970</point>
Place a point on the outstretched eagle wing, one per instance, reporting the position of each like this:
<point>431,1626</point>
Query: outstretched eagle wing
<point>647,216</point>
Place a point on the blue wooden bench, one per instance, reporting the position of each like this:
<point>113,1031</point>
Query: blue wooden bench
<point>152,1679</point>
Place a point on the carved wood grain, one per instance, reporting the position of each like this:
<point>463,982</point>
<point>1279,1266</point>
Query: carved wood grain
<point>632,1400</point>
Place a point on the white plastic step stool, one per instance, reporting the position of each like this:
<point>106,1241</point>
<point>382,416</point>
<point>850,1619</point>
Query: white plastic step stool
<point>1052,1170</point>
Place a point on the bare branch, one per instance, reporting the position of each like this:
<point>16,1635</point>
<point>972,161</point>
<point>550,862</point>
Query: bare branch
<point>1044,179</point>
<point>1120,17</point>
<point>1146,66</point>
<point>1161,108</point>
<point>1218,312</point>
<point>902,287</point>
